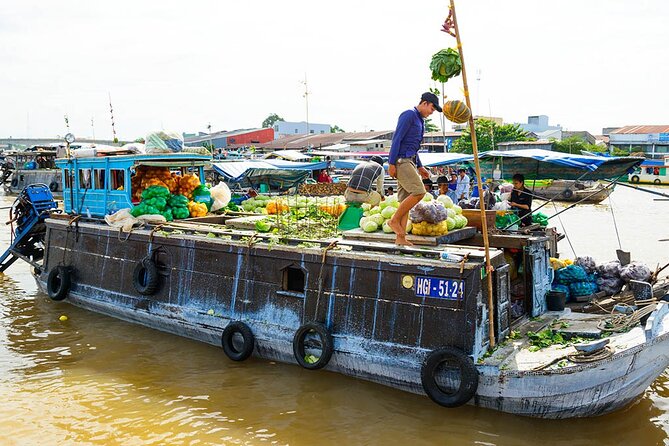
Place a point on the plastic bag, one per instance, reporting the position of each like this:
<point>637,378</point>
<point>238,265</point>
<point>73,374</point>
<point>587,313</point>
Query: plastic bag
<point>588,263</point>
<point>583,288</point>
<point>635,271</point>
<point>609,269</point>
<point>610,285</point>
<point>432,212</point>
<point>164,142</point>
<point>122,219</point>
<point>221,195</point>
<point>570,274</point>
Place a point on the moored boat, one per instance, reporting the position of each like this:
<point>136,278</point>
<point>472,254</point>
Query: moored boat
<point>570,190</point>
<point>398,316</point>
<point>30,167</point>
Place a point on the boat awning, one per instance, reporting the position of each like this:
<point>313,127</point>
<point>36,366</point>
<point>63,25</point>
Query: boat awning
<point>546,164</point>
<point>432,159</point>
<point>428,160</point>
<point>291,165</point>
<point>290,155</point>
<point>257,172</point>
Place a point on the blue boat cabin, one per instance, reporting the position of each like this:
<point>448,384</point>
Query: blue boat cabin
<point>98,186</point>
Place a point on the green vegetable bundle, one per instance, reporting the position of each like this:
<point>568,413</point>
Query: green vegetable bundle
<point>201,194</point>
<point>540,218</point>
<point>156,192</point>
<point>445,65</point>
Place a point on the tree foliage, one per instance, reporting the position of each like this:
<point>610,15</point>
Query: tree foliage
<point>575,144</point>
<point>336,129</point>
<point>431,126</point>
<point>271,119</point>
<point>486,132</point>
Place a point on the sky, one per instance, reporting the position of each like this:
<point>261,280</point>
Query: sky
<point>182,66</point>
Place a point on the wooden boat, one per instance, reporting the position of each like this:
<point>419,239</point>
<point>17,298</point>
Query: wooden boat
<point>569,190</point>
<point>397,316</point>
<point>30,167</point>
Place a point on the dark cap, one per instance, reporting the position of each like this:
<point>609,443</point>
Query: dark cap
<point>377,159</point>
<point>427,182</point>
<point>442,180</point>
<point>433,99</point>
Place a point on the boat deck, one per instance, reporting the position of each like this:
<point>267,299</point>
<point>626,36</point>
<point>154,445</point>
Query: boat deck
<point>518,354</point>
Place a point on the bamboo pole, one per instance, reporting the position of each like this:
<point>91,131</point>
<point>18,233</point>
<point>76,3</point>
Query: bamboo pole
<point>484,224</point>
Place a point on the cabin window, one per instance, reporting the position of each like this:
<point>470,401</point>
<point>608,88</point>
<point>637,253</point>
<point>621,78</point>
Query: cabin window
<point>66,175</point>
<point>84,178</point>
<point>293,280</point>
<point>117,179</point>
<point>99,178</point>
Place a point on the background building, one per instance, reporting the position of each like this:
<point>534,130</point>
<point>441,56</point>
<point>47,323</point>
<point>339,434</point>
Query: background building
<point>225,139</point>
<point>652,140</point>
<point>285,128</point>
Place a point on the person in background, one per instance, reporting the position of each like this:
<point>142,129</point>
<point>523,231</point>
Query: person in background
<point>445,189</point>
<point>363,178</point>
<point>462,185</point>
<point>404,162</point>
<point>323,177</point>
<point>521,200</point>
<point>429,185</point>
<point>390,191</point>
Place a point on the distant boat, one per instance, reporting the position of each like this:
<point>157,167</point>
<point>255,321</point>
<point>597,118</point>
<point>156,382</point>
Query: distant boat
<point>32,166</point>
<point>569,190</point>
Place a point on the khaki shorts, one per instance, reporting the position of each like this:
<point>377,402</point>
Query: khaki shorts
<point>371,197</point>
<point>408,179</point>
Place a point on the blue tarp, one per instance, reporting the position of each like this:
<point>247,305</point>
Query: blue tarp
<point>255,172</point>
<point>283,164</point>
<point>428,160</point>
<point>545,164</point>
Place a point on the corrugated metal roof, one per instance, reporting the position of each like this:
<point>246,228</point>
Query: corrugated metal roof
<point>322,140</point>
<point>641,129</point>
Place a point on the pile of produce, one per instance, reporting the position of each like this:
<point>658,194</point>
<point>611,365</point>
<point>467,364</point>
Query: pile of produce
<point>436,217</point>
<point>147,176</point>
<point>429,217</point>
<point>376,217</point>
<point>583,276</point>
<point>263,204</point>
<point>159,200</point>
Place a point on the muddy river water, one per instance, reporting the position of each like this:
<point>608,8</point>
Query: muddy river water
<point>94,380</point>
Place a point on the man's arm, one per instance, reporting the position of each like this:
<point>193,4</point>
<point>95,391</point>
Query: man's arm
<point>379,182</point>
<point>403,125</point>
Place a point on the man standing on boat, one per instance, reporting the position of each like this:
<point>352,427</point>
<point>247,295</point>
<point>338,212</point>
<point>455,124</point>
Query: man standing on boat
<point>521,200</point>
<point>404,163</point>
<point>462,185</point>
<point>363,177</point>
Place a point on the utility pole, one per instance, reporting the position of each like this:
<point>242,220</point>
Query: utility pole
<point>111,112</point>
<point>306,99</point>
<point>93,128</point>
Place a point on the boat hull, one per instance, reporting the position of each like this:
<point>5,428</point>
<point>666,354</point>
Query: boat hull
<point>382,337</point>
<point>591,192</point>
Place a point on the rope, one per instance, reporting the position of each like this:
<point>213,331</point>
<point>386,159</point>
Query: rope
<point>615,225</point>
<point>573,251</point>
<point>332,245</point>
<point>597,355</point>
<point>618,323</point>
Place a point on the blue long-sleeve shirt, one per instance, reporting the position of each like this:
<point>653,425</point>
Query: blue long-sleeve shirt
<point>408,136</point>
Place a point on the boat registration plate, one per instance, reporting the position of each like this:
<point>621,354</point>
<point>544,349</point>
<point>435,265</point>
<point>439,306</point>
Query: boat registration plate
<point>440,288</point>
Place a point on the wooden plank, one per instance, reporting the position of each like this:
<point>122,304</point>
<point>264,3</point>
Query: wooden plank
<point>452,237</point>
<point>245,222</point>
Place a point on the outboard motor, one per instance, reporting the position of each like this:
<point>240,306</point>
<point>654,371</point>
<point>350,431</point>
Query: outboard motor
<point>29,211</point>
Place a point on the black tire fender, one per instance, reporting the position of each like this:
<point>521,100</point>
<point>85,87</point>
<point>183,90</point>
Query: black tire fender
<point>299,347</point>
<point>58,283</point>
<point>145,277</point>
<point>469,378</point>
<point>634,179</point>
<point>567,193</point>
<point>657,181</point>
<point>240,328</point>
<point>53,186</point>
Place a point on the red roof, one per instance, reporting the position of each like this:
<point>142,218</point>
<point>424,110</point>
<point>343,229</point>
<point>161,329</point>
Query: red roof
<point>641,129</point>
